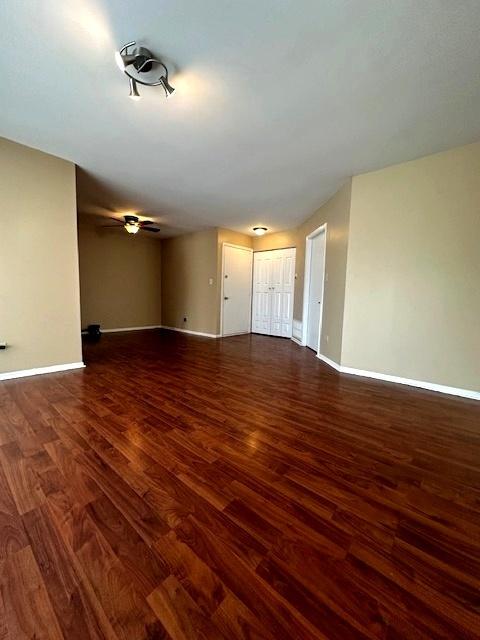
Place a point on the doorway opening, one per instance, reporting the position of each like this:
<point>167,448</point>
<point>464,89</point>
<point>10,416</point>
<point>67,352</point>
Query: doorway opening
<point>316,245</point>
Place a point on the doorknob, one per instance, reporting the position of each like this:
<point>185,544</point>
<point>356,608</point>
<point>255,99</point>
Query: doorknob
<point>225,297</point>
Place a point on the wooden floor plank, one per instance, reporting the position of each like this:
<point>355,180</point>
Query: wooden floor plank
<point>28,609</point>
<point>185,488</point>
<point>22,477</point>
<point>70,601</point>
<point>179,614</point>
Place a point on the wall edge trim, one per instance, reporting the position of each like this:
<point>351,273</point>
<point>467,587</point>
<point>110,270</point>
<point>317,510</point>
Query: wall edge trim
<point>191,332</point>
<point>56,368</point>
<point>420,384</point>
<point>150,326</point>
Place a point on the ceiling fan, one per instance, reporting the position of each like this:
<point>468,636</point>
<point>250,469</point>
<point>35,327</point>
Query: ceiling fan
<point>132,224</point>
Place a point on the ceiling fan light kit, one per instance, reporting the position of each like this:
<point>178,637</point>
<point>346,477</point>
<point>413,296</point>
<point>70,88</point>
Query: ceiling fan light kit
<point>140,61</point>
<point>133,225</point>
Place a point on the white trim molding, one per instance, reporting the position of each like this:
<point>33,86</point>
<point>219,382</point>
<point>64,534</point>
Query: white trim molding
<point>430,386</point>
<point>10,375</point>
<point>159,326</point>
<point>297,332</point>
<point>331,363</point>
<point>153,326</point>
<point>193,333</point>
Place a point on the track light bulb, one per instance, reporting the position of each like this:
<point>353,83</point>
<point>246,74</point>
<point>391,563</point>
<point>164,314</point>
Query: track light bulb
<point>134,95</point>
<point>169,90</point>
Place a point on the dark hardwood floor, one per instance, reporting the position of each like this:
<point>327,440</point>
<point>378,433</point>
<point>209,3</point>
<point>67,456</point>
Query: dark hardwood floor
<point>191,488</point>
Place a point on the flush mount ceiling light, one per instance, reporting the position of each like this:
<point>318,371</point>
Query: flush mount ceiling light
<point>260,231</point>
<point>140,61</point>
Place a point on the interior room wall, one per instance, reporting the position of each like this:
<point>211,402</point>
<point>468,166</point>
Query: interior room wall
<point>189,282</point>
<point>277,240</point>
<point>412,295</point>
<point>120,278</point>
<point>39,289</point>
<point>335,213</point>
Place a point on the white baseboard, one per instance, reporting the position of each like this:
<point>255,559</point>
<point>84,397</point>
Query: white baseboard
<point>193,333</point>
<point>297,341</point>
<point>10,375</point>
<point>430,386</point>
<point>159,326</point>
<point>153,326</point>
<point>332,363</point>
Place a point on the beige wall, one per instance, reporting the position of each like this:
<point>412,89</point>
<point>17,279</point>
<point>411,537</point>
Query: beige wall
<point>120,278</point>
<point>233,237</point>
<point>278,240</point>
<point>39,291</point>
<point>189,262</point>
<point>335,213</point>
<point>413,281</point>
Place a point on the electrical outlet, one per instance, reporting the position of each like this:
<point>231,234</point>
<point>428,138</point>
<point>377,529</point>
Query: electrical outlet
<point>210,281</point>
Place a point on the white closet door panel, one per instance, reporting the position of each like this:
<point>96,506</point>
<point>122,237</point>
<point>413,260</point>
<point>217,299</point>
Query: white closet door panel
<point>289,273</point>
<point>274,276</point>
<point>261,293</point>
<point>276,313</point>
<point>287,314</point>
<point>276,273</point>
<point>261,322</point>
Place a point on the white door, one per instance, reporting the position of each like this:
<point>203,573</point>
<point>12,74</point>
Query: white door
<point>315,297</point>
<point>262,300</point>
<point>237,290</point>
<point>273,286</point>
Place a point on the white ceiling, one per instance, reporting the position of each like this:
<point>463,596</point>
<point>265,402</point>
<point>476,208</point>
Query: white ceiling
<point>277,101</point>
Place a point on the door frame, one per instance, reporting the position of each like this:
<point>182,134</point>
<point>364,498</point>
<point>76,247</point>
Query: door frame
<point>235,246</point>
<point>306,285</point>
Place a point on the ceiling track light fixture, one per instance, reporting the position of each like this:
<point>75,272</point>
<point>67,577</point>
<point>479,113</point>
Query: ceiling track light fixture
<point>142,61</point>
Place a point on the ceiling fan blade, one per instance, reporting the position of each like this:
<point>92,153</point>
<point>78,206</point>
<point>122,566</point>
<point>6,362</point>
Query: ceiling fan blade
<point>144,223</point>
<point>111,226</point>
<point>150,229</point>
<point>117,220</point>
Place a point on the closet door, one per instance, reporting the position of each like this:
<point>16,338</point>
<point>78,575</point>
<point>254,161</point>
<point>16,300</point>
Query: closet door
<point>288,287</point>
<point>261,308</point>
<point>276,292</point>
<point>273,287</point>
